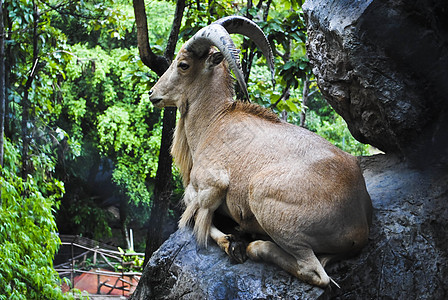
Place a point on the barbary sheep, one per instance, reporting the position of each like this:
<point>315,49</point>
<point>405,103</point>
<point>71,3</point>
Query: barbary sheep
<point>276,180</point>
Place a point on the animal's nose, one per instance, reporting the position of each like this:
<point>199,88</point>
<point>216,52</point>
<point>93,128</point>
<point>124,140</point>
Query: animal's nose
<point>154,99</point>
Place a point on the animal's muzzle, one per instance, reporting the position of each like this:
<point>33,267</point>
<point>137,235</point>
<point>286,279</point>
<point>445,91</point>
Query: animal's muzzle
<point>154,100</point>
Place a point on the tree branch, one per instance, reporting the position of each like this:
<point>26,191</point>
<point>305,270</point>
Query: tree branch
<point>285,95</point>
<point>60,9</point>
<point>266,12</point>
<point>157,63</point>
<point>174,35</point>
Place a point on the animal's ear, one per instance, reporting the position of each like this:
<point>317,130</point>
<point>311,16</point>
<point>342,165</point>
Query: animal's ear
<point>214,59</point>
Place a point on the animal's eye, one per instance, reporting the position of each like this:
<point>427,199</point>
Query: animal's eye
<point>183,65</point>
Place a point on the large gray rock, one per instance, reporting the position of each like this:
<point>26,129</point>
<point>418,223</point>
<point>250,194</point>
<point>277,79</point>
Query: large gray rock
<point>383,66</point>
<point>182,270</point>
<point>407,256</point>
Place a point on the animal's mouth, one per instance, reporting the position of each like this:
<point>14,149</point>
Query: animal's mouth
<point>155,101</point>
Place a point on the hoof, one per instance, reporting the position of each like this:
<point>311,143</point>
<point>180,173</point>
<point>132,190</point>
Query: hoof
<point>334,283</point>
<point>236,249</point>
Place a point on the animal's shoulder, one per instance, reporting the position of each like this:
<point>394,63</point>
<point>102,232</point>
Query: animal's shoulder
<point>251,109</point>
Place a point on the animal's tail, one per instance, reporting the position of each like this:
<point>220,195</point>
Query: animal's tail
<point>188,215</point>
<point>202,226</point>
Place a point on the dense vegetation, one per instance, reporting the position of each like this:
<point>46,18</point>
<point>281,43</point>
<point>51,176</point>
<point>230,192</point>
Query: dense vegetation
<point>80,134</point>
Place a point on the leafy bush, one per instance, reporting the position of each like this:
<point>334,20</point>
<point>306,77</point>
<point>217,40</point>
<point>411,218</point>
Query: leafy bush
<point>28,233</point>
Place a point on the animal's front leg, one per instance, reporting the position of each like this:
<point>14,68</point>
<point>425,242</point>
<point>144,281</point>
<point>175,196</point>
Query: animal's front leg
<point>202,197</point>
<point>234,247</point>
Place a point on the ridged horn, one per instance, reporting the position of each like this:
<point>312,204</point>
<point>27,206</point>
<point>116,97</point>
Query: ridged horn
<point>244,26</point>
<point>216,35</point>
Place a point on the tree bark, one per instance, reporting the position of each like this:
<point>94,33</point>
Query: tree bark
<point>159,64</point>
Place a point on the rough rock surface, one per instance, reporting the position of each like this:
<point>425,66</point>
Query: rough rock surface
<point>182,270</point>
<point>383,66</point>
<point>407,256</point>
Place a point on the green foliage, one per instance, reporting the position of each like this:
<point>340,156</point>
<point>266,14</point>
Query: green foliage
<point>105,110</point>
<point>124,135</point>
<point>48,69</point>
<point>130,262</point>
<point>160,15</point>
<point>104,23</point>
<point>28,233</point>
<point>336,131</point>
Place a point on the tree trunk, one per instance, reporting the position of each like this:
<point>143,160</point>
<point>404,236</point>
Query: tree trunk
<point>159,64</point>
<point>2,91</point>
<point>2,86</point>
<point>124,212</point>
<point>163,187</point>
<point>26,106</point>
<point>8,63</point>
<point>305,97</point>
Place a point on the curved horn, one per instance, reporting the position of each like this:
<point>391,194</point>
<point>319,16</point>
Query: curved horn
<point>217,35</point>
<point>244,26</point>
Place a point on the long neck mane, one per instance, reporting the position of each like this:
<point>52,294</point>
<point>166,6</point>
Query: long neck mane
<point>180,150</point>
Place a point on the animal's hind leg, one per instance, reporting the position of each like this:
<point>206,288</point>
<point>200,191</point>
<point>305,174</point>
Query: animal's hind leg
<point>303,265</point>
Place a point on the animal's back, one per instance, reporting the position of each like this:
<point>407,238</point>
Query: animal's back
<point>250,132</point>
